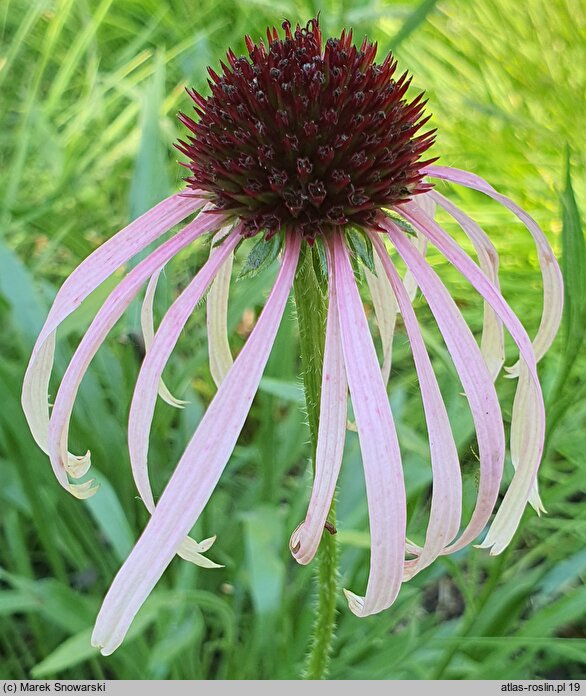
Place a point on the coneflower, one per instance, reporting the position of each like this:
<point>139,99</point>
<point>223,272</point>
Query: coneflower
<point>317,150</point>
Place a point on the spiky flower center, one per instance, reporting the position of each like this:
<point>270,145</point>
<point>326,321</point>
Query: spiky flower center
<point>305,136</point>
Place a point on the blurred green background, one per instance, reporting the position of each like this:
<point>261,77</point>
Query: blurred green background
<point>89,91</point>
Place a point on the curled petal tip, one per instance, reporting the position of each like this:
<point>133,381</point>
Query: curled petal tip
<point>295,544</point>
<point>512,371</point>
<point>207,544</point>
<point>77,467</point>
<point>104,649</point>
<point>191,551</point>
<point>355,603</point>
<point>84,490</point>
<point>177,403</point>
<point>168,397</point>
<point>537,504</point>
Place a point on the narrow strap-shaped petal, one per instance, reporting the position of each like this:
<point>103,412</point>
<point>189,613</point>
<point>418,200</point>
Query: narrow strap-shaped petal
<point>144,398</point>
<point>427,204</point>
<point>528,419</point>
<point>107,316</point>
<point>147,323</point>
<point>198,471</point>
<point>385,310</point>
<point>492,343</point>
<point>220,356</point>
<point>86,278</point>
<point>383,299</point>
<point>446,501</point>
<point>381,456</point>
<point>331,436</point>
<point>553,286</point>
<point>475,378</point>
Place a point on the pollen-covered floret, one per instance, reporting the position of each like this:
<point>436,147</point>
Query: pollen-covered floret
<point>306,136</point>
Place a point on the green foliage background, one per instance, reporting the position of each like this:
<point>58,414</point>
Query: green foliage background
<point>89,92</point>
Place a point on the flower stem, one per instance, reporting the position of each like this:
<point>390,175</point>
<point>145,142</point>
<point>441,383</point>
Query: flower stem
<point>311,302</point>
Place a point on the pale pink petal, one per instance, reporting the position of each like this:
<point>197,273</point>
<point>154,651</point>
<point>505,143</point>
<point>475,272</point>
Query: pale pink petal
<point>553,286</point>
<point>86,278</point>
<point>427,204</point>
<point>475,378</point>
<point>330,441</point>
<point>446,502</point>
<point>145,393</point>
<point>492,344</point>
<point>198,471</point>
<point>220,355</point>
<point>108,315</point>
<point>385,310</point>
<point>528,409</point>
<point>147,323</point>
<point>381,456</point>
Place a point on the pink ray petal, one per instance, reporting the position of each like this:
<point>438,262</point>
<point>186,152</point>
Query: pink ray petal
<point>553,286</point>
<point>86,278</point>
<point>144,398</point>
<point>198,471</point>
<point>493,337</point>
<point>378,442</point>
<point>108,315</point>
<point>446,502</point>
<point>147,323</point>
<point>427,204</point>
<point>475,378</point>
<point>385,310</point>
<point>528,408</point>
<point>220,355</point>
<point>331,436</point>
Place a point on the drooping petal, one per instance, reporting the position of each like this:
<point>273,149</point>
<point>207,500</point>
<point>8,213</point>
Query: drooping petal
<point>475,378</point>
<point>220,355</point>
<point>528,420</point>
<point>108,315</point>
<point>492,343</point>
<point>144,398</point>
<point>553,287</point>
<point>427,204</point>
<point>198,471</point>
<point>385,310</point>
<point>330,440</point>
<point>383,299</point>
<point>147,323</point>
<point>381,456</point>
<point>86,278</point>
<point>446,502</point>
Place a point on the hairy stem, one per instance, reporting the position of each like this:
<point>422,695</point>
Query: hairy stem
<point>311,303</point>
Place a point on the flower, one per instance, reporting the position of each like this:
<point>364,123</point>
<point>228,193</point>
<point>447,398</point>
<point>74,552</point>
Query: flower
<point>315,148</point>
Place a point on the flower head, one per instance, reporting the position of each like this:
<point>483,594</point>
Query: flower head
<point>305,142</point>
<point>305,135</point>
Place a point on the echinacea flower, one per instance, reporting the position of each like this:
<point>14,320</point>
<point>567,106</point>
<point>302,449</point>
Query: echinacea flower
<point>314,148</point>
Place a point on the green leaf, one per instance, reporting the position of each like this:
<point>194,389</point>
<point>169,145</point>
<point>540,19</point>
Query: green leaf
<point>17,287</point>
<point>320,264</point>
<point>288,391</point>
<point>151,182</point>
<point>108,514</point>
<point>362,247</point>
<point>401,222</point>
<point>262,255</point>
<point>573,269</point>
<point>70,653</point>
<point>573,266</point>
<point>263,533</point>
